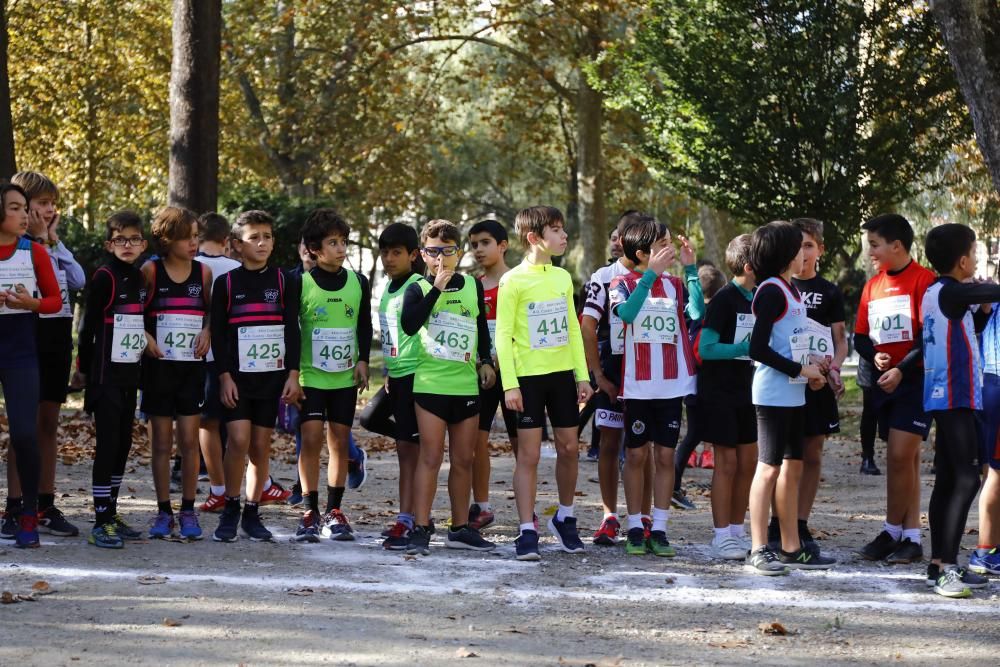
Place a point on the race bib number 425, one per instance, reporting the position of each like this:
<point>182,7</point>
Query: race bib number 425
<point>548,323</point>
<point>261,348</point>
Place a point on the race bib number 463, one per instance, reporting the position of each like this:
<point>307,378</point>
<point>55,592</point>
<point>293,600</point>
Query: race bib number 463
<point>261,348</point>
<point>451,337</point>
<point>548,323</point>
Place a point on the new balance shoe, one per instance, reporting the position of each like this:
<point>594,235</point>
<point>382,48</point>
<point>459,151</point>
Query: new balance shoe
<point>526,546</point>
<point>949,584</point>
<point>879,548</point>
<point>467,538</point>
<point>357,470</point>
<point>969,578</point>
<point>635,542</point>
<point>480,519</point>
<point>804,559</point>
<point>728,548</point>
<point>308,530</point>
<point>53,522</point>
<point>681,501</point>
<point>8,529</point>
<point>163,526</point>
<point>764,561</point>
<point>607,534</point>
<point>707,460</point>
<point>336,527</point>
<point>295,499</point>
<point>397,537</point>
<point>213,504</point>
<point>274,495</point>
<point>566,534</point>
<point>229,523</point>
<point>190,528</point>
<point>106,537</point>
<point>253,527</point>
<point>658,545</point>
<point>806,539</point>
<point>27,531</point>
<point>988,563</point>
<point>906,552</point>
<point>420,542</point>
<point>125,531</point>
<point>868,467</point>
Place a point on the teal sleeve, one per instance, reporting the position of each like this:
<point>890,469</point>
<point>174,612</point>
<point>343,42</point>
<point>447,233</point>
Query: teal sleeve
<point>629,310</point>
<point>710,349</point>
<point>696,299</point>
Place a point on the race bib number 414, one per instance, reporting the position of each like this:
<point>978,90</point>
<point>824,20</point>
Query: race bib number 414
<point>548,323</point>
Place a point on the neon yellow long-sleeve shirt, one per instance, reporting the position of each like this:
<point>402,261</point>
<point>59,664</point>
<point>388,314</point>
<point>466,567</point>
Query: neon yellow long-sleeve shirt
<point>537,329</point>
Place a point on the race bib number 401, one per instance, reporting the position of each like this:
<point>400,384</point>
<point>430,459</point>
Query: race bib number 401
<point>128,339</point>
<point>261,348</point>
<point>890,320</point>
<point>333,349</point>
<point>548,323</point>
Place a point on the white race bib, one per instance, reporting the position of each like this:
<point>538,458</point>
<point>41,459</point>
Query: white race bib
<point>890,320</point>
<point>800,354</point>
<point>548,323</point>
<point>617,334</point>
<point>12,275</point>
<point>333,349</point>
<point>744,329</point>
<point>450,337</point>
<point>65,311</point>
<point>128,339</point>
<point>656,321</point>
<point>387,334</point>
<point>175,335</point>
<point>492,325</point>
<point>261,348</point>
<point>820,339</point>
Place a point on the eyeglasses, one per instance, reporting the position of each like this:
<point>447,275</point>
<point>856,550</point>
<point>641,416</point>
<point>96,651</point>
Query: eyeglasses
<point>447,251</point>
<point>126,240</point>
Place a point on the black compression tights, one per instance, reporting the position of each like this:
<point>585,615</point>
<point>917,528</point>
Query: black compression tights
<point>20,391</point>
<point>956,481</point>
<point>869,424</point>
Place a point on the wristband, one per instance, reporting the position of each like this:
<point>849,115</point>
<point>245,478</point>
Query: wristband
<point>835,368</point>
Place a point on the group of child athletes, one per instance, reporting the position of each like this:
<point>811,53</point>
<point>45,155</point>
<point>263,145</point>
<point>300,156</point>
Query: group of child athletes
<point>762,355</point>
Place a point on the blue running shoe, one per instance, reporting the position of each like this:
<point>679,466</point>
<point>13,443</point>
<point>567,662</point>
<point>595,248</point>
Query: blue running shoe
<point>526,546</point>
<point>254,528</point>
<point>988,563</point>
<point>27,531</point>
<point>336,527</point>
<point>190,528</point>
<point>106,537</point>
<point>357,470</point>
<point>163,526</point>
<point>125,531</point>
<point>229,522</point>
<point>308,530</point>
<point>566,534</point>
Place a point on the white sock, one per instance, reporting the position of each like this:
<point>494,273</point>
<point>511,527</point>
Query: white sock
<point>528,526</point>
<point>660,517</point>
<point>913,534</point>
<point>610,515</point>
<point>722,533</point>
<point>484,507</point>
<point>736,530</point>
<point>267,484</point>
<point>564,511</point>
<point>218,490</point>
<point>634,521</point>
<point>894,531</point>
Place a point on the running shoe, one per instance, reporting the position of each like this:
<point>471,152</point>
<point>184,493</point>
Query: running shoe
<point>607,534</point>
<point>693,459</point>
<point>336,527</point>
<point>190,528</point>
<point>949,584</point>
<point>106,537</point>
<point>593,453</point>
<point>163,526</point>
<point>707,460</point>
<point>764,561</point>
<point>566,534</point>
<point>480,519</point>
<point>308,530</point>
<point>906,552</point>
<point>868,467</point>
<point>295,499</point>
<point>213,504</point>
<point>27,531</point>
<point>658,545</point>
<point>969,578</point>
<point>397,537</point>
<point>526,545</point>
<point>988,563</point>
<point>275,494</point>
<point>803,559</point>
<point>125,531</point>
<point>879,548</point>
<point>53,522</point>
<point>229,522</point>
<point>254,528</point>
<point>8,529</point>
<point>357,470</point>
<point>635,542</point>
<point>728,548</point>
<point>420,542</point>
<point>681,501</point>
<point>647,526</point>
<point>467,538</point>
<point>807,541</point>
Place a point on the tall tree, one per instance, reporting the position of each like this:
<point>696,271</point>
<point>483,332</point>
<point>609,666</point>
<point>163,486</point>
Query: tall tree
<point>8,164</point>
<point>194,104</point>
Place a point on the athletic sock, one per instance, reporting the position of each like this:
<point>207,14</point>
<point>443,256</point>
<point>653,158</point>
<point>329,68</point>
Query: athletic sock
<point>116,485</point>
<point>737,530</point>
<point>164,506</point>
<point>45,501</point>
<point>564,512</point>
<point>268,484</point>
<point>233,504</point>
<point>312,500</point>
<point>14,504</point>
<point>894,531</point>
<point>187,504</point>
<point>406,519</point>
<point>103,509</point>
<point>722,533</point>
<point>983,549</point>
<point>912,534</point>
<point>334,496</point>
<point>218,490</point>
<point>527,526</point>
<point>484,507</point>
<point>660,518</point>
<point>610,515</point>
<point>635,521</point>
<point>251,508</point>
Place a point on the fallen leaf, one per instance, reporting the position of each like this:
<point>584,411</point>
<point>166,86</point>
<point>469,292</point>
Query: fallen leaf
<point>41,587</point>
<point>463,652</point>
<point>300,591</point>
<point>773,628</point>
<point>171,622</point>
<point>148,579</point>
<point>7,598</point>
<point>31,597</point>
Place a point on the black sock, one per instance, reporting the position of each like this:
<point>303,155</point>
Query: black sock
<point>334,496</point>
<point>250,507</point>
<point>187,504</point>
<point>103,511</point>
<point>313,501</point>
<point>164,506</point>
<point>455,529</point>
<point>233,504</point>
<point>14,504</point>
<point>45,501</point>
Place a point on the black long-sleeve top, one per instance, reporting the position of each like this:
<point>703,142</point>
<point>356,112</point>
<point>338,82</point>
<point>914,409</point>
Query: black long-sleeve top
<point>333,282</point>
<point>769,305</point>
<point>417,308</point>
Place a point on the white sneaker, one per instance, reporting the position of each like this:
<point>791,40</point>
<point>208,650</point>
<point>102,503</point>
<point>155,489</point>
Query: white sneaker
<point>728,548</point>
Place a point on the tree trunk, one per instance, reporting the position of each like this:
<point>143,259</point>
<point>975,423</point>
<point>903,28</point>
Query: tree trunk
<point>971,31</point>
<point>590,170</point>
<point>194,104</point>
<point>717,230</point>
<point>8,165</point>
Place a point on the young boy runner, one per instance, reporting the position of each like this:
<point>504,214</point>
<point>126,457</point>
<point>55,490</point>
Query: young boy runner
<point>255,340</point>
<point>725,382</point>
<point>55,339</point>
<point>25,275</point>
<point>178,293</point>
<point>986,558</point>
<point>335,320</point>
<point>887,334</point>
<point>448,312</point>
<point>781,350</point>
<point>112,341</point>
<point>488,241</point>
<point>544,370</point>
<point>952,395</point>
<point>658,371</point>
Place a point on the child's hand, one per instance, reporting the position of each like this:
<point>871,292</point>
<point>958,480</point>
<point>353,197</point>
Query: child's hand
<point>687,251</point>
<point>487,376</point>
<point>607,386</point>
<point>512,399</point>
<point>816,385</point>
<point>36,225</point>
<point>442,278</point>
<point>202,343</point>
<point>583,392</point>
<point>361,375</point>
<point>890,380</point>
<point>822,361</point>
<point>152,349</point>
<point>812,372</point>
<point>228,393</point>
<point>20,299</point>
<point>882,361</point>
<point>662,260</point>
<point>291,393</point>
<point>53,227</point>
<point>833,377</point>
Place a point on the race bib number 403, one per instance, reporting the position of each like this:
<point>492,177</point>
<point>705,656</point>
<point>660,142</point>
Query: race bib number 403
<point>657,321</point>
<point>261,348</point>
<point>548,323</point>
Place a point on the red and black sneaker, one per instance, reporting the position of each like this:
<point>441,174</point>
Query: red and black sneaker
<point>213,503</point>
<point>647,527</point>
<point>275,494</point>
<point>607,534</point>
<point>397,537</point>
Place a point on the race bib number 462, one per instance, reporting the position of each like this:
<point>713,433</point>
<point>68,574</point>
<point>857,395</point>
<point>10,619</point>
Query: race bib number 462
<point>333,349</point>
<point>261,348</point>
<point>548,323</point>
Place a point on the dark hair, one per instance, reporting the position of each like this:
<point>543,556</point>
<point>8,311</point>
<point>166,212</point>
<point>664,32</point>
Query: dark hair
<point>399,235</point>
<point>247,218</point>
<point>773,247</point>
<point>171,223</point>
<point>640,234</point>
<point>121,221</point>
<point>711,280</point>
<point>491,227</point>
<point>213,227</point>
<point>738,254</point>
<point>441,229</point>
<point>536,219</point>
<point>627,218</point>
<point>810,226</point>
<point>11,187</point>
<point>892,227</point>
<point>321,223</point>
<point>946,244</point>
<point>35,185</point>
